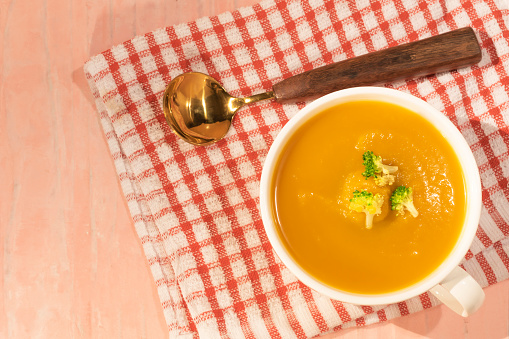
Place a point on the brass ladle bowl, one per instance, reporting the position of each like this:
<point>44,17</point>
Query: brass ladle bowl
<point>199,110</point>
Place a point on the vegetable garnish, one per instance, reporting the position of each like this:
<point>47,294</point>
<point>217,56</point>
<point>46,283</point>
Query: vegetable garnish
<point>364,201</point>
<point>402,200</point>
<point>375,168</point>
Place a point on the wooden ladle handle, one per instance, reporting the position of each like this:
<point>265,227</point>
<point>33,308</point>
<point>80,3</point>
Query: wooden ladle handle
<point>443,52</point>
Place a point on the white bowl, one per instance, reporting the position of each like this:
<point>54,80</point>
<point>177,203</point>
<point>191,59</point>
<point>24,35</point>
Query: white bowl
<point>448,130</point>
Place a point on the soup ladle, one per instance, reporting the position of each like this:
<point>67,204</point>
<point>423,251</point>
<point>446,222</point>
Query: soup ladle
<point>200,111</point>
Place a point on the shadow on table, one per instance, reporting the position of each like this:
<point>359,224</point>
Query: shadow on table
<point>79,79</point>
<point>490,321</point>
<point>99,42</point>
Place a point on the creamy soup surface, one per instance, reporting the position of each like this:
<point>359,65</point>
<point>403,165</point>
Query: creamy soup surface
<point>322,166</point>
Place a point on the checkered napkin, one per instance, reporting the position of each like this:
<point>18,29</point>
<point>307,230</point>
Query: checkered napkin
<point>196,208</point>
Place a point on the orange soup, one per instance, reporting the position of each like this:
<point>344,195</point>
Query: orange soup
<point>322,165</point>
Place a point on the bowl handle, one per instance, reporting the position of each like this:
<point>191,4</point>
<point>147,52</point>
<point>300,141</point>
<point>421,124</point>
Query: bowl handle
<point>460,292</point>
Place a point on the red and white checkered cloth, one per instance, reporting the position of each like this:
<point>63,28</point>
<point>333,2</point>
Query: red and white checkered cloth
<point>196,208</point>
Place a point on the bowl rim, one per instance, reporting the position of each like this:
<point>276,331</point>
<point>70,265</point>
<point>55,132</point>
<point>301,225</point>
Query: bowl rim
<point>448,130</point>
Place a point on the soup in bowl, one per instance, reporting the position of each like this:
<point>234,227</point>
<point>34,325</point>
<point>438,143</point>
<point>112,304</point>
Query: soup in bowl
<point>371,196</point>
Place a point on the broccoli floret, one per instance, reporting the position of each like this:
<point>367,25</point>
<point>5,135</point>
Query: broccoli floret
<point>373,167</point>
<point>402,200</point>
<point>368,203</point>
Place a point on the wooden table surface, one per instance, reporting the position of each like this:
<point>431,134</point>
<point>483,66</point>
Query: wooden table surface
<point>73,266</point>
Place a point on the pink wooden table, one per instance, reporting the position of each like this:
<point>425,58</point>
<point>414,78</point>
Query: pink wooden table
<point>65,232</point>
